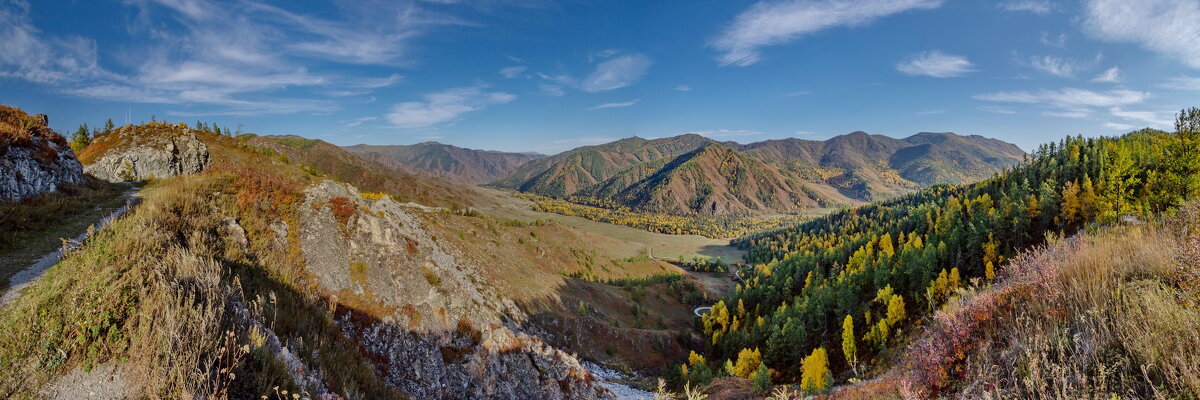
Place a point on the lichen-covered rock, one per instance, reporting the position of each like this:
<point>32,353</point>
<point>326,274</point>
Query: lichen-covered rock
<point>435,329</point>
<point>134,155</point>
<point>33,159</point>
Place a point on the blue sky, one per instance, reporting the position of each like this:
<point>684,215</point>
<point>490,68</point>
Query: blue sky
<point>546,76</point>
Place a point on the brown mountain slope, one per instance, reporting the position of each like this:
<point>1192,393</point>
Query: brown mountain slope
<point>845,169</point>
<point>869,167</point>
<point>445,161</point>
<point>367,175</point>
<point>569,172</point>
<point>712,180</point>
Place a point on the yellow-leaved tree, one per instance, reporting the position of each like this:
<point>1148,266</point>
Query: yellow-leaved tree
<point>747,362</point>
<point>849,347</point>
<point>815,376</point>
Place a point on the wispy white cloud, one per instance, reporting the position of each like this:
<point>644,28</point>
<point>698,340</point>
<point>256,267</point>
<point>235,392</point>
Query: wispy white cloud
<point>1181,83</point>
<point>683,88</point>
<point>1068,102</point>
<point>361,121</point>
<point>512,72</point>
<point>1154,119</point>
<point>1165,26</point>
<point>614,105</point>
<point>1054,65</point>
<point>1040,7</point>
<point>1059,41</point>
<point>997,110</point>
<point>1111,75</point>
<point>222,57</point>
<point>935,63</point>
<point>616,73</point>
<point>1119,126</point>
<point>26,53</point>
<point>774,22</point>
<point>445,106</point>
<point>551,90</point>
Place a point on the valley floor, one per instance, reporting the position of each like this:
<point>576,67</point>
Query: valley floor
<point>662,245</point>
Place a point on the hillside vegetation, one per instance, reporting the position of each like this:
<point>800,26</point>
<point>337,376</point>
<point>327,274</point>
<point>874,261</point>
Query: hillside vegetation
<point>866,275</point>
<point>338,164</point>
<point>20,129</point>
<point>845,169</point>
<point>445,161</point>
<point>260,275</point>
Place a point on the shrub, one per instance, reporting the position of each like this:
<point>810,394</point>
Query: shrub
<point>761,380</point>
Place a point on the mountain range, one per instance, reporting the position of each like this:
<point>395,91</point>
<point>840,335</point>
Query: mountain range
<point>445,161</point>
<point>692,174</point>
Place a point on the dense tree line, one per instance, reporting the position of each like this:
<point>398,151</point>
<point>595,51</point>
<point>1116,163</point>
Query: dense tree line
<point>882,266</point>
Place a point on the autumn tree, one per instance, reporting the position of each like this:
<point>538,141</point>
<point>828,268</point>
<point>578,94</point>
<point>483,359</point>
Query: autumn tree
<point>849,346</point>
<point>815,376</point>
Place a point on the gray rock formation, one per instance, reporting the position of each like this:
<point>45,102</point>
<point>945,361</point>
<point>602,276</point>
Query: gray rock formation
<point>150,157</point>
<point>450,340</point>
<point>27,171</point>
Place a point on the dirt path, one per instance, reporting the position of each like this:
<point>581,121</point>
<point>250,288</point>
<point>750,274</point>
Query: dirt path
<point>29,274</point>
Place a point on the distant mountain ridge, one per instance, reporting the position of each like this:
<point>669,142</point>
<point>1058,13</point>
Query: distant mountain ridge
<point>565,173</point>
<point>691,174</point>
<point>445,161</point>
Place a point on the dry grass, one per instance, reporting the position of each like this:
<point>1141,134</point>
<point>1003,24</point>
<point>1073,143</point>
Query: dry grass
<point>156,298</point>
<point>20,129</point>
<point>32,217</point>
<point>1098,316</point>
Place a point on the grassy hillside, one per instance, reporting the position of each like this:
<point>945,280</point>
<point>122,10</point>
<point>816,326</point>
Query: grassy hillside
<point>445,161</point>
<point>886,265</point>
<point>194,292</point>
<point>343,166</point>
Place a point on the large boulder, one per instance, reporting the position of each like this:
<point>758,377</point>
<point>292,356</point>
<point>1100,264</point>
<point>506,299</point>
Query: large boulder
<point>33,159</point>
<point>144,154</point>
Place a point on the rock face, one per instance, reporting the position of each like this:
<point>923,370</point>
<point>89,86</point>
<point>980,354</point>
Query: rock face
<point>37,163</point>
<point>434,327</point>
<point>141,157</point>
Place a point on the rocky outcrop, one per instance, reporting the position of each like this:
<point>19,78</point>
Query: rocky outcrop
<point>466,364</point>
<point>141,157</point>
<point>36,164</point>
<point>434,326</point>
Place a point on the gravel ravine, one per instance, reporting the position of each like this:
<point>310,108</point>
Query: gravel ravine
<point>607,378</point>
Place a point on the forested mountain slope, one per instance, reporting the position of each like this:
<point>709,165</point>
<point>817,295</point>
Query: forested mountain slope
<point>847,169</point>
<point>712,180</point>
<point>566,173</point>
<point>880,268</point>
<point>445,161</point>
